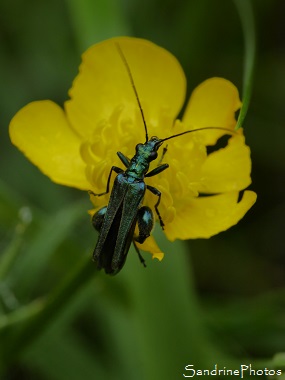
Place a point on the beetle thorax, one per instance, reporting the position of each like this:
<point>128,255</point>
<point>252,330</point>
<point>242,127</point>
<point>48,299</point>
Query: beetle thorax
<point>145,153</point>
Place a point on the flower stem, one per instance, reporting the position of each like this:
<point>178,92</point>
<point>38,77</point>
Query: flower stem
<point>245,11</point>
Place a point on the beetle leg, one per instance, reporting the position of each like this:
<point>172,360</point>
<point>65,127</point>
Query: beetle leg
<point>142,260</point>
<point>163,154</point>
<point>158,193</point>
<point>125,160</point>
<point>113,169</point>
<point>98,218</point>
<point>157,170</point>
<point>145,221</point>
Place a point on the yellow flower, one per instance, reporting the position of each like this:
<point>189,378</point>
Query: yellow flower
<point>77,146</point>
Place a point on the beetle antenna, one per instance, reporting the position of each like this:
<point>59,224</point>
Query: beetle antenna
<point>133,85</point>
<point>200,129</point>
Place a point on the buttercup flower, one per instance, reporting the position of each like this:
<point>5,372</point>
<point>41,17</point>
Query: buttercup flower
<point>76,146</point>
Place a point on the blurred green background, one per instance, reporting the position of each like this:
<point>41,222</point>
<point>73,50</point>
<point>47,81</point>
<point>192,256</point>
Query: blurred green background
<point>209,301</point>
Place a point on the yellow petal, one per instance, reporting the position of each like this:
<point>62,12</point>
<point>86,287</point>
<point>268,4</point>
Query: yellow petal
<point>227,169</point>
<point>206,216</point>
<point>103,85</point>
<point>212,104</point>
<point>150,246</point>
<point>40,130</point>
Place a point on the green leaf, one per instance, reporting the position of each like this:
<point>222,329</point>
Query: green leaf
<point>51,231</point>
<point>55,304</point>
<point>53,353</point>
<point>167,319</point>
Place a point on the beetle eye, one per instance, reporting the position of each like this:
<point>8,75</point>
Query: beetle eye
<point>153,155</point>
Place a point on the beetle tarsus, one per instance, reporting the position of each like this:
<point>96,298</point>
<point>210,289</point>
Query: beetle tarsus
<point>142,260</point>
